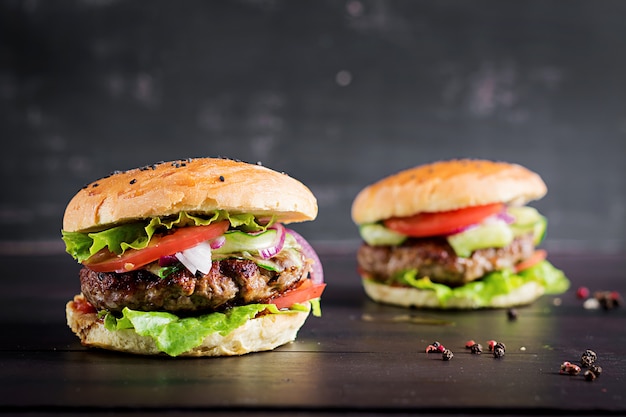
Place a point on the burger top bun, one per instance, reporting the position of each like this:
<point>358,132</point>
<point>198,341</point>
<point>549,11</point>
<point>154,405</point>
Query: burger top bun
<point>446,185</point>
<point>200,185</point>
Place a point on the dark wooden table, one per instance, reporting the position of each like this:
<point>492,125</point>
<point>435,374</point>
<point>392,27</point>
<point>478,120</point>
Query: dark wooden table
<point>358,358</point>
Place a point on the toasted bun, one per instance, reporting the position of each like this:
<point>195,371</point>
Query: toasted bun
<point>446,185</point>
<point>200,185</point>
<point>264,333</point>
<point>414,297</point>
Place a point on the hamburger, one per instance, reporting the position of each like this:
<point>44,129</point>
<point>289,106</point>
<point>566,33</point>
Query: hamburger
<point>455,234</point>
<point>192,258</point>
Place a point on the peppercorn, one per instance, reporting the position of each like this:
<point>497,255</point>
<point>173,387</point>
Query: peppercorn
<point>434,348</point>
<point>588,358</point>
<point>589,375</point>
<point>512,314</point>
<point>596,369</point>
<point>564,367</point>
<point>569,368</point>
<point>582,293</point>
<point>608,300</point>
<point>447,354</point>
<point>476,349</point>
<point>498,350</point>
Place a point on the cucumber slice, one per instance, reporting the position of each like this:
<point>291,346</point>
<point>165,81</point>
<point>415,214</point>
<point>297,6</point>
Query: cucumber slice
<point>375,234</point>
<point>489,235</point>
<point>237,241</point>
<point>527,220</point>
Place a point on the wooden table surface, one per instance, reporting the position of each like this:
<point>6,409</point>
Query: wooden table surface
<point>358,358</point>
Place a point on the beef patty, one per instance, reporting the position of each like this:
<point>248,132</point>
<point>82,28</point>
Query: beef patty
<point>435,258</point>
<point>230,282</point>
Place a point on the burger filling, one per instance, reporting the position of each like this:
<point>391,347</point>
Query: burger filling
<point>230,282</point>
<point>480,252</point>
<point>434,258</point>
<point>181,278</point>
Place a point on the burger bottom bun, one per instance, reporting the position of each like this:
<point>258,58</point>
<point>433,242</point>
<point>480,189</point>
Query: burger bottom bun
<point>414,297</point>
<point>264,333</point>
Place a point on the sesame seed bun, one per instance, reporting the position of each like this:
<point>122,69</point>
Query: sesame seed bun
<point>446,185</point>
<point>201,185</point>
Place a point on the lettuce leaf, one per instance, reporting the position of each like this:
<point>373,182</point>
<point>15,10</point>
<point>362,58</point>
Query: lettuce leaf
<point>174,335</point>
<point>482,291</point>
<point>137,235</point>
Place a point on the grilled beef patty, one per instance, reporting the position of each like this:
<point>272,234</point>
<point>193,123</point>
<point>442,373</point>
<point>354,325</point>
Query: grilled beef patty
<point>435,258</point>
<point>230,282</point>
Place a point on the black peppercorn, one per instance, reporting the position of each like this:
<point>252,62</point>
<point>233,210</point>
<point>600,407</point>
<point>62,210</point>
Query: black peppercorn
<point>589,375</point>
<point>596,369</point>
<point>512,314</point>
<point>608,300</point>
<point>498,350</point>
<point>588,358</point>
<point>476,349</point>
<point>447,354</point>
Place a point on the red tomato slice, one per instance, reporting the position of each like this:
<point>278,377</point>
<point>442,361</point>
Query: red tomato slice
<point>84,306</point>
<point>534,259</point>
<point>178,240</point>
<point>441,223</point>
<point>305,292</point>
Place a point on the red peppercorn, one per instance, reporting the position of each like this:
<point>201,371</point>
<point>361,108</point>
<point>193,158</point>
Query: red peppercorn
<point>434,348</point>
<point>569,368</point>
<point>582,293</point>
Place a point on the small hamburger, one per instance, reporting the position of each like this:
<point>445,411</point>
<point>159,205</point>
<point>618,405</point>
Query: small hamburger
<point>455,234</point>
<point>192,258</point>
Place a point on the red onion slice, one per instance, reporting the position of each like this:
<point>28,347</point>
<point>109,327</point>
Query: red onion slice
<point>505,216</point>
<point>218,242</point>
<point>277,244</point>
<point>167,260</point>
<point>317,273</point>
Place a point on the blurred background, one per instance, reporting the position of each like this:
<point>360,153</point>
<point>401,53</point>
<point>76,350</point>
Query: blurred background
<point>335,93</point>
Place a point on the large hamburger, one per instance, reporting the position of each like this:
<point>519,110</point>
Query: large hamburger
<point>455,234</point>
<point>192,258</point>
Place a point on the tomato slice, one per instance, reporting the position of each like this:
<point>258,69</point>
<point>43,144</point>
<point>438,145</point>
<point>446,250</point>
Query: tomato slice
<point>538,256</point>
<point>83,306</point>
<point>305,292</point>
<point>178,240</point>
<point>441,223</point>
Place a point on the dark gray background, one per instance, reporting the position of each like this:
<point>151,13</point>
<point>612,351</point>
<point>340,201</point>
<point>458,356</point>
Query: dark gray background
<point>335,93</point>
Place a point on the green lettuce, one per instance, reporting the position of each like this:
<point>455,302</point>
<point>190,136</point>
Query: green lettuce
<point>174,335</point>
<point>494,284</point>
<point>137,235</point>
